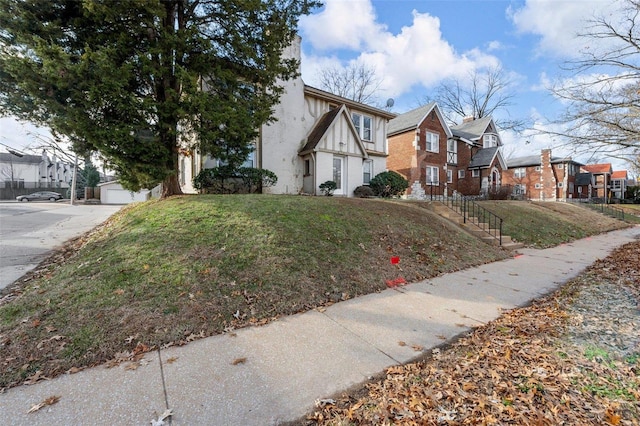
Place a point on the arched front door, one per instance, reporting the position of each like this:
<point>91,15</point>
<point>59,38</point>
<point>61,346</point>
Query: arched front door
<point>495,178</point>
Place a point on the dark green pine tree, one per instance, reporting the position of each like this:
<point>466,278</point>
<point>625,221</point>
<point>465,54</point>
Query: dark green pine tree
<point>138,80</point>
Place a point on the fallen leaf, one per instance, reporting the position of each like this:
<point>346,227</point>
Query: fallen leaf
<point>401,343</point>
<point>160,422</point>
<point>49,401</point>
<point>239,361</point>
<point>171,360</point>
<point>417,348</point>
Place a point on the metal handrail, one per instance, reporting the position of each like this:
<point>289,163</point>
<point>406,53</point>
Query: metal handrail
<point>474,213</point>
<point>603,208</point>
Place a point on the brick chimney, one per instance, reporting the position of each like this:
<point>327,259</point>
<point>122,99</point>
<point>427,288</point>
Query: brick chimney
<point>548,180</point>
<point>468,119</point>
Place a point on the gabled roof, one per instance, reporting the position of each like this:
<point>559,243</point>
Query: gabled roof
<point>6,157</point>
<point>619,174</point>
<point>351,104</point>
<point>485,156</point>
<point>324,124</point>
<point>529,160</point>
<point>598,168</point>
<point>411,120</point>
<point>473,130</point>
<point>583,179</point>
<point>535,160</point>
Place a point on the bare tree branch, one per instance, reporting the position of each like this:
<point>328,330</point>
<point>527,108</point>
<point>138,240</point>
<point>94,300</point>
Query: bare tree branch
<point>357,82</point>
<point>485,93</point>
<point>602,99</point>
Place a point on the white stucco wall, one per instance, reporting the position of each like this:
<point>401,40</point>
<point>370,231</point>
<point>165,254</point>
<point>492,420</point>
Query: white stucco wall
<point>280,141</point>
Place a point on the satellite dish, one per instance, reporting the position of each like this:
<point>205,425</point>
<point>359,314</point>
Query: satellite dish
<point>390,102</point>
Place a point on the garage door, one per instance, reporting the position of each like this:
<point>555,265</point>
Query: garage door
<point>118,196</point>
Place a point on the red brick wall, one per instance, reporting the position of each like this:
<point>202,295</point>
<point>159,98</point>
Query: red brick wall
<point>531,177</point>
<point>402,154</point>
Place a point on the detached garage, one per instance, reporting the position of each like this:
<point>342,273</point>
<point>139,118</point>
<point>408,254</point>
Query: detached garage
<point>114,193</point>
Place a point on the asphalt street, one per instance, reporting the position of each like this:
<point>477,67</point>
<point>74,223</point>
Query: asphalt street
<point>30,231</point>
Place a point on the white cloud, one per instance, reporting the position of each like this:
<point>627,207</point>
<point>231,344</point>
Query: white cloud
<point>342,24</point>
<point>416,56</point>
<point>558,23</point>
<point>495,45</point>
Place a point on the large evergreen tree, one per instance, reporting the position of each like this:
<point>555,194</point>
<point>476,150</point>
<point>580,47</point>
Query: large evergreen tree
<point>139,80</point>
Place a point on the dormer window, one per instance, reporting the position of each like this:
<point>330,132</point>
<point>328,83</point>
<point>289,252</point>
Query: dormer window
<point>489,141</point>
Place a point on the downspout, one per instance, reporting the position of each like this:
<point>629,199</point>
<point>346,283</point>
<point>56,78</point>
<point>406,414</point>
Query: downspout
<point>315,171</point>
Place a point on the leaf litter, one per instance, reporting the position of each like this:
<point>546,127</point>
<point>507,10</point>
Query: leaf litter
<point>572,357</point>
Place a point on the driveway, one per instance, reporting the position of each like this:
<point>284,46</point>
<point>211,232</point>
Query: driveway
<point>30,231</point>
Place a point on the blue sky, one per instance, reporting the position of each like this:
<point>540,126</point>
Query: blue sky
<point>415,45</point>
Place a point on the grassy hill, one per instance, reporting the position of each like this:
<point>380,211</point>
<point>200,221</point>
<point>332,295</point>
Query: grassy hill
<point>167,272</point>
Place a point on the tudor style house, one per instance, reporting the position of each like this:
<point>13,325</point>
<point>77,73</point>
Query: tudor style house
<point>544,177</point>
<point>317,137</point>
<point>440,160</point>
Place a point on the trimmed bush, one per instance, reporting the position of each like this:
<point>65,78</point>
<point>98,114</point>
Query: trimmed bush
<point>363,191</point>
<point>388,184</point>
<point>328,187</point>
<point>226,180</point>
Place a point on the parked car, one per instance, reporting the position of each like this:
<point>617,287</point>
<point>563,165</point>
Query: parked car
<point>42,195</point>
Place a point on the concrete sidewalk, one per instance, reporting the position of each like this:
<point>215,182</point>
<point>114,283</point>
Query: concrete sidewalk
<point>294,361</point>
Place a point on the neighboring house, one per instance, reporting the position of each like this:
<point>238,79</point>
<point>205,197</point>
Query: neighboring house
<point>618,185</point>
<point>601,179</point>
<point>419,150</point>
<point>482,141</point>
<point>439,160</point>
<point>543,177</point>
<point>317,137</point>
<point>33,171</point>
<point>584,185</point>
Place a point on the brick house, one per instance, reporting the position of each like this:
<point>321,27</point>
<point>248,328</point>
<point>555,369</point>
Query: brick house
<point>439,160</point>
<point>543,177</point>
<point>618,185</point>
<point>418,143</point>
<point>601,179</point>
<point>479,141</point>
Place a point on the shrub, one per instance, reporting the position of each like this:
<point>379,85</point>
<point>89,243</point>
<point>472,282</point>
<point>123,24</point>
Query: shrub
<point>499,192</point>
<point>363,191</point>
<point>226,180</point>
<point>388,184</point>
<point>328,187</point>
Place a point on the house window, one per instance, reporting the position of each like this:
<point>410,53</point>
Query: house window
<point>489,140</point>
<point>519,189</point>
<point>433,142</point>
<point>433,177</point>
<point>249,161</point>
<point>367,171</point>
<point>538,186</point>
<point>183,172</point>
<point>307,167</point>
<point>452,152</point>
<point>520,172</point>
<point>560,184</point>
<point>449,176</point>
<point>537,168</point>
<point>475,173</point>
<point>363,125</point>
<point>460,174</point>
<point>560,166</point>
